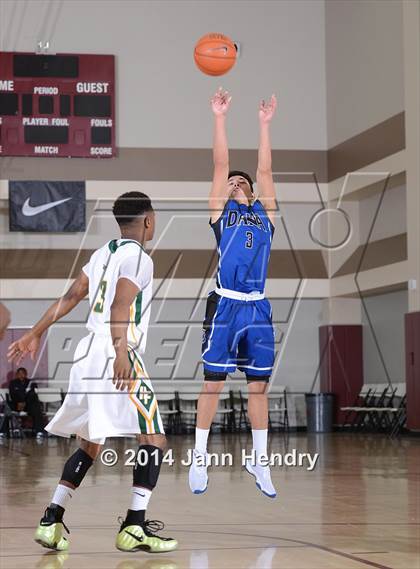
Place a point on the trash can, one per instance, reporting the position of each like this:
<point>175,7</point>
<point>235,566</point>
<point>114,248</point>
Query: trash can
<point>319,412</point>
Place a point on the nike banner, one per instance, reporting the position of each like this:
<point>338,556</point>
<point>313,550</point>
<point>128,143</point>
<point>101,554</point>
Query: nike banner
<point>47,206</point>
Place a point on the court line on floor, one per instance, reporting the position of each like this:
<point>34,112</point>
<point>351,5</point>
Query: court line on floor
<point>173,525</point>
<point>310,544</point>
<point>179,549</point>
<point>367,552</point>
<point>300,543</point>
<point>208,549</point>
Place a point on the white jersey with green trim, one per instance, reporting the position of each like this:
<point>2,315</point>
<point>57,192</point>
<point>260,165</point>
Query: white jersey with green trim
<point>120,258</point>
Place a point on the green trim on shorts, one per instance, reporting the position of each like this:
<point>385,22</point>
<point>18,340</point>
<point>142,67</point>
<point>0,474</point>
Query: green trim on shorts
<point>147,404</point>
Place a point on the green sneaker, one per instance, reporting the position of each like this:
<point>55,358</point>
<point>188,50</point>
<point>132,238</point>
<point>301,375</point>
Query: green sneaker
<point>49,533</point>
<point>143,538</point>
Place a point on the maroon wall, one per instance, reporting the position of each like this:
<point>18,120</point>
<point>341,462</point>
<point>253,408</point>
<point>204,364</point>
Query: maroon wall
<point>341,364</point>
<point>412,368</point>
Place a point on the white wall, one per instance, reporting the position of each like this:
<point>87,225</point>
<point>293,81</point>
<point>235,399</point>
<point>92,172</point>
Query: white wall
<point>342,55</point>
<point>364,62</point>
<point>392,215</point>
<point>162,99</point>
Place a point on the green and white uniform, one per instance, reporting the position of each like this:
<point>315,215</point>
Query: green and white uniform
<point>93,408</point>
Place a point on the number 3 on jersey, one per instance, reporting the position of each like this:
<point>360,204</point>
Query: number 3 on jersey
<point>99,304</point>
<point>249,240</point>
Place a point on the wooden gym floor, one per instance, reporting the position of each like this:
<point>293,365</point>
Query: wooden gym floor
<point>358,508</point>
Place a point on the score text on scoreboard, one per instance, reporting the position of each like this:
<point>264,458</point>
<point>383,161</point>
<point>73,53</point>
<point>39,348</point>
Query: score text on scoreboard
<point>57,105</point>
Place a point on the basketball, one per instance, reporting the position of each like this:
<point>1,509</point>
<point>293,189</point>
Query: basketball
<point>215,54</point>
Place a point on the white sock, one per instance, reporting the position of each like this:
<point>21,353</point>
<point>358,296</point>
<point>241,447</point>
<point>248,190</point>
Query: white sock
<point>259,442</point>
<point>140,498</point>
<point>62,495</point>
<point>201,436</point>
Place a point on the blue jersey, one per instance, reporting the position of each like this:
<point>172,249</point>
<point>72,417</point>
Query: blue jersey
<point>244,234</point>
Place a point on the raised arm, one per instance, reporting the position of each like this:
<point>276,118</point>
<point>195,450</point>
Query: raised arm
<point>266,190</point>
<point>219,190</point>
<point>29,342</point>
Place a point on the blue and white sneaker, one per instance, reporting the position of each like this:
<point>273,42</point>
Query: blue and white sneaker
<point>198,477</point>
<point>262,477</point>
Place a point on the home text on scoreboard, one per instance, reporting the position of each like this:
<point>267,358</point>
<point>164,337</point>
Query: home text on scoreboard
<point>57,105</point>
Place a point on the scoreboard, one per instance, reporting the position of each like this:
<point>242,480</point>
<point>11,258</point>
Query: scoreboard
<point>57,105</point>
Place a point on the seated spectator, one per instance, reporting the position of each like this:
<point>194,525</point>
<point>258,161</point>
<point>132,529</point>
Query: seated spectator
<point>4,420</point>
<point>24,398</point>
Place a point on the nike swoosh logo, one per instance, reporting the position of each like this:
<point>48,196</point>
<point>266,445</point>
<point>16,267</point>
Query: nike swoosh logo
<point>29,210</point>
<point>138,538</point>
<point>138,494</point>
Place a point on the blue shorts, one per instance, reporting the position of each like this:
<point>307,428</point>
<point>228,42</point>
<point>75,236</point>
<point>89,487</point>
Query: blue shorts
<point>237,334</point>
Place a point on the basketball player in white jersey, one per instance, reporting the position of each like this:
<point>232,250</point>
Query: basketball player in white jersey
<point>109,392</point>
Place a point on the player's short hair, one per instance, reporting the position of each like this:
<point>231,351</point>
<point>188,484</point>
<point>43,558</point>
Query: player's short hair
<point>244,175</point>
<point>21,369</point>
<point>129,206</point>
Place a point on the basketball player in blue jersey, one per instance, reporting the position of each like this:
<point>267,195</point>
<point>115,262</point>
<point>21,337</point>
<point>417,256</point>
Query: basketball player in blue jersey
<point>238,331</point>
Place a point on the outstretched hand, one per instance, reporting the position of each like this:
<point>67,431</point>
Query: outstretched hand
<point>27,344</point>
<point>220,102</point>
<point>267,109</point>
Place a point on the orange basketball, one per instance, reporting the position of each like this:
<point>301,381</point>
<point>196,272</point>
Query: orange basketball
<point>215,54</point>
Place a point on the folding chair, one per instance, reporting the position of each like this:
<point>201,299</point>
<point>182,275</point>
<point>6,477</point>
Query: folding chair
<point>399,417</point>
<point>277,409</point>
<point>377,416</point>
<point>168,408</point>
<point>376,402</point>
<point>50,397</point>
<point>360,401</point>
<point>240,407</point>
<point>225,414</point>
<point>187,410</point>
<point>5,412</point>
<point>15,417</point>
<point>392,418</point>
<point>368,399</point>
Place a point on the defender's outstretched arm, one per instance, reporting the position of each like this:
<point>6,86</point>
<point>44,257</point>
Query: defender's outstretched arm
<point>29,343</point>
<point>266,190</point>
<point>219,191</point>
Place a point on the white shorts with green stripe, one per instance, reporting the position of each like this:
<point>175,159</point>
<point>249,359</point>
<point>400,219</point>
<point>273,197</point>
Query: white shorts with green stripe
<point>94,409</point>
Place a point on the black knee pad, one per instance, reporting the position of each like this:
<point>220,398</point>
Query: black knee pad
<point>147,467</point>
<point>214,375</point>
<point>76,467</point>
